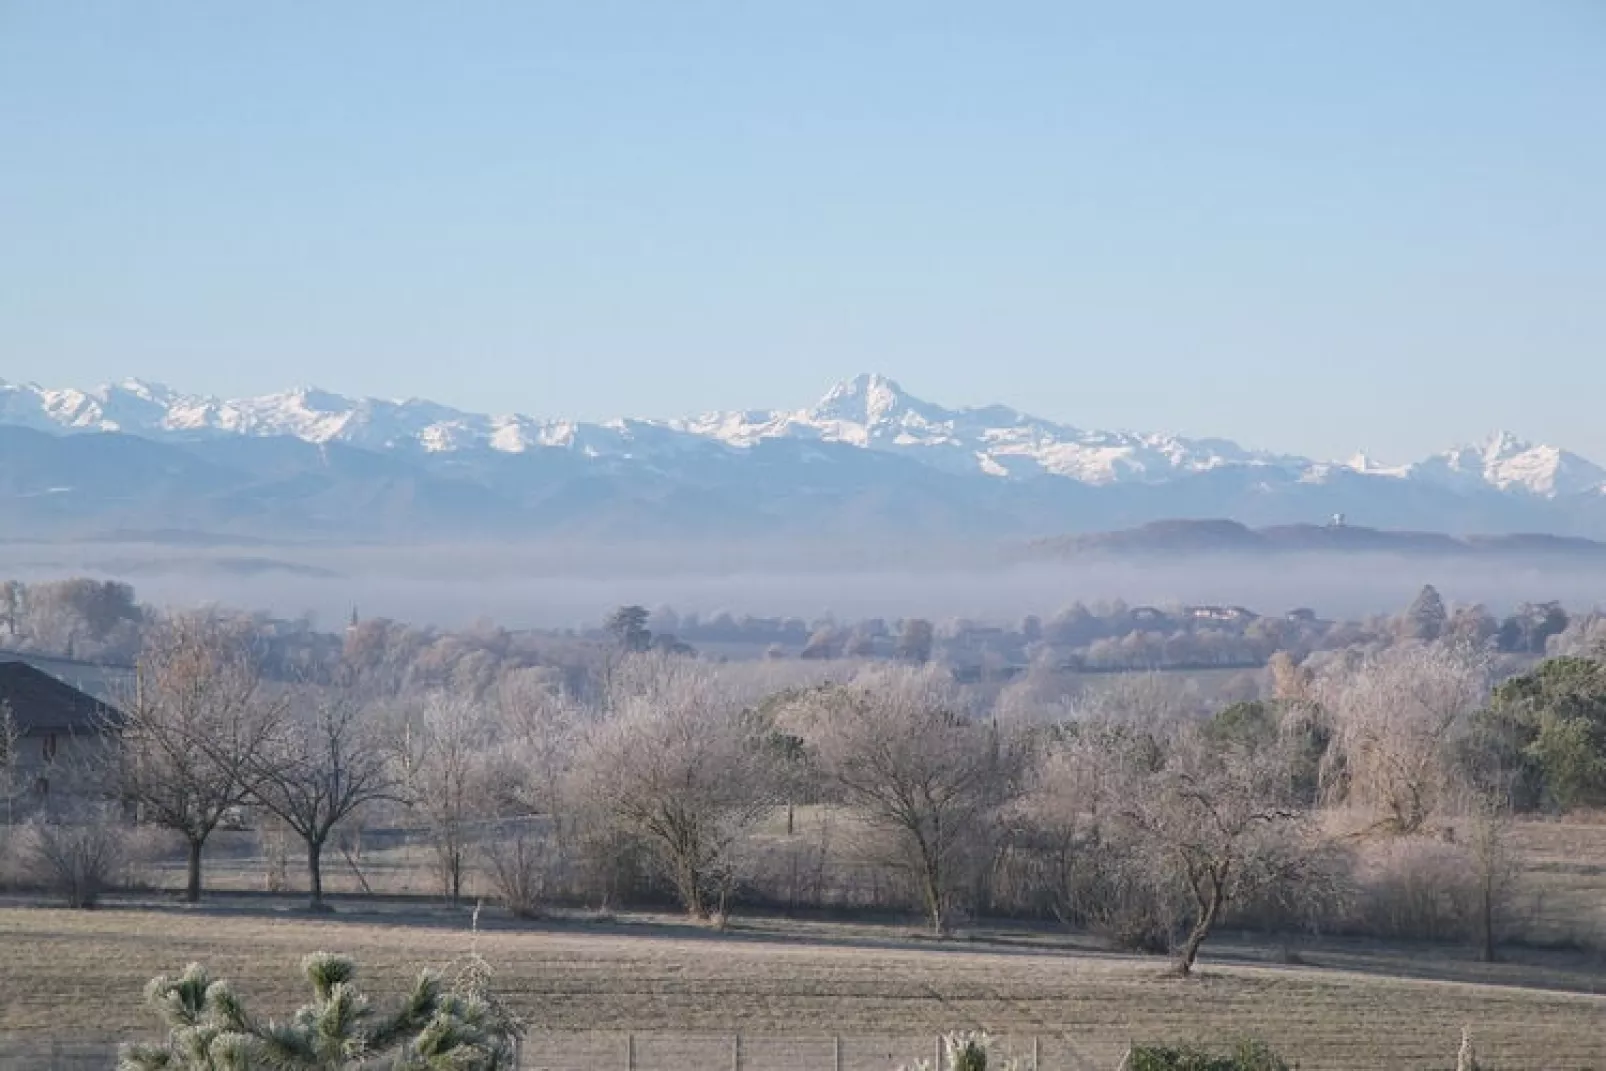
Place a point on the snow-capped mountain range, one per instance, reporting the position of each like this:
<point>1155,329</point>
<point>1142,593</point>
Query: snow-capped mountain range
<point>869,412</point>
<point>864,467</point>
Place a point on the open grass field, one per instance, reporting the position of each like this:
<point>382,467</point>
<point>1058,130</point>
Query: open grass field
<point>788,986</point>
<point>79,975</point>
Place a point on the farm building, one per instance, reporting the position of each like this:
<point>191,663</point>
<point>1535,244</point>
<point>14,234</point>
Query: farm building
<point>53,730</point>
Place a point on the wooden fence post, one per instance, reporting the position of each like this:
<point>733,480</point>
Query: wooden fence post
<point>836,1052</point>
<point>1036,1052</point>
<point>630,1052</point>
<point>736,1053</point>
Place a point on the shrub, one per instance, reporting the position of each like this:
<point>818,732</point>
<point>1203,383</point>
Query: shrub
<point>1129,901</point>
<point>76,860</point>
<point>12,872</point>
<point>1417,889</point>
<point>517,866</point>
<point>966,1051</point>
<point>1246,1056</point>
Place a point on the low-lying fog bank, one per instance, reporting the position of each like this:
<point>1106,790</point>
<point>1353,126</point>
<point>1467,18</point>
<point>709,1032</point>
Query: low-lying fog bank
<point>547,586</point>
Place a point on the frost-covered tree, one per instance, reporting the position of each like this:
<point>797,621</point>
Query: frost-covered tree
<point>902,750</point>
<point>11,773</point>
<point>1219,818</point>
<point>1396,718</point>
<point>679,765</point>
<point>197,728</point>
<point>329,762</point>
<point>444,753</point>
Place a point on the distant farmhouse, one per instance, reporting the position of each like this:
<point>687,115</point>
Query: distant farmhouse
<point>55,730</point>
<point>1237,614</point>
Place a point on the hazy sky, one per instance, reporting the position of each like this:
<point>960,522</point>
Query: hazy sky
<point>1315,227</point>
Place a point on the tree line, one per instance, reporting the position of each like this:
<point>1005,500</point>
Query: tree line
<point>103,621</point>
<point>1373,792</point>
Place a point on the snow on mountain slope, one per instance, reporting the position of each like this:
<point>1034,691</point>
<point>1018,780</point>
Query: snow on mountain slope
<point>870,412</point>
<point>1512,464</point>
<point>874,412</point>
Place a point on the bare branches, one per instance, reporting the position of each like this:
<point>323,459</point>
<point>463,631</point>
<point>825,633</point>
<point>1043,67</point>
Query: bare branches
<point>679,766</point>
<point>1222,819</point>
<point>902,752</point>
<point>1394,718</point>
<point>443,751</point>
<point>196,729</point>
<point>327,764</point>
<point>11,774</point>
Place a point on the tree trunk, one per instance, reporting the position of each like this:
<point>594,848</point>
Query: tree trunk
<point>934,905</point>
<point>315,876</point>
<point>691,890</point>
<point>192,889</point>
<point>1488,922</point>
<point>931,859</point>
<point>1201,929</point>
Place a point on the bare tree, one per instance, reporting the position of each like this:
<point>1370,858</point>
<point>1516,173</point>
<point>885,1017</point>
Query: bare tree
<point>65,614</point>
<point>677,765</point>
<point>443,754</point>
<point>1290,682</point>
<point>1148,701</point>
<point>1218,818</point>
<point>533,786</point>
<point>13,607</point>
<point>11,775</point>
<point>1495,860</point>
<point>327,765</point>
<point>898,745</point>
<point>1083,857</point>
<point>1394,718</point>
<point>539,727</point>
<point>196,730</point>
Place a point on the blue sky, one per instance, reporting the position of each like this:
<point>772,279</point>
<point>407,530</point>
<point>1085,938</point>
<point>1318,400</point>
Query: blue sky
<point>1313,227</point>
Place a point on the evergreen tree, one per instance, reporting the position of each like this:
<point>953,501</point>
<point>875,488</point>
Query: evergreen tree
<point>628,626</point>
<point>435,1028</point>
<point>1547,730</point>
<point>1426,617</point>
<point>915,640</point>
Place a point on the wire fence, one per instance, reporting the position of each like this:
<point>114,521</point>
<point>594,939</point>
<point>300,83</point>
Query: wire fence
<point>609,1051</point>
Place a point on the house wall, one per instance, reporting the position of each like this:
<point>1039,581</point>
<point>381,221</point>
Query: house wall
<point>59,772</point>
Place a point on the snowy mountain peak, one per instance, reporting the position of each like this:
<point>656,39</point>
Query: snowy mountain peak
<point>1502,445</point>
<point>1507,462</point>
<point>139,388</point>
<point>868,398</point>
<point>869,411</point>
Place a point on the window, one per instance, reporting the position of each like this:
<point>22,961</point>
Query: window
<point>50,747</point>
<point>41,787</point>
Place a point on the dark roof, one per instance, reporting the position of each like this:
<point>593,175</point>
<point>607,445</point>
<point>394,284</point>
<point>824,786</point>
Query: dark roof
<point>41,703</point>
